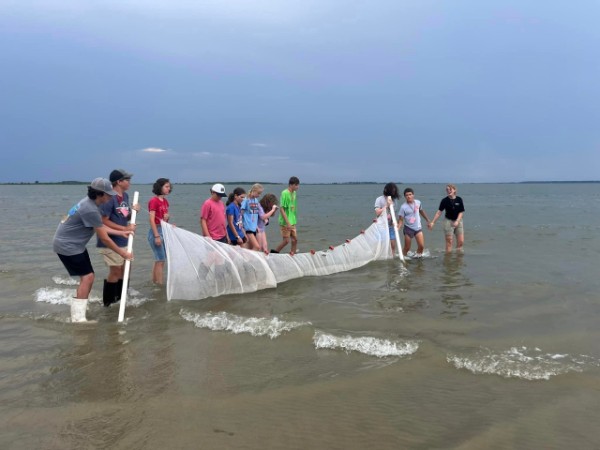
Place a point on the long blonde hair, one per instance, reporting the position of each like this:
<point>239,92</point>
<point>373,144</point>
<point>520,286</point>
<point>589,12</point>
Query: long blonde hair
<point>256,190</point>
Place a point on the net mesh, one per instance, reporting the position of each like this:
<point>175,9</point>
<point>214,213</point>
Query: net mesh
<point>199,267</point>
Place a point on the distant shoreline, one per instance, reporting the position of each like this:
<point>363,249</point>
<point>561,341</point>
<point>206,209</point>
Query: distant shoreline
<point>207,183</point>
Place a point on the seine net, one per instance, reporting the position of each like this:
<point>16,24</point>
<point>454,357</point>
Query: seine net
<point>198,267</point>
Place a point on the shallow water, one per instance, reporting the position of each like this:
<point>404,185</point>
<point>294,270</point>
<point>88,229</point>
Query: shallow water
<point>495,348</point>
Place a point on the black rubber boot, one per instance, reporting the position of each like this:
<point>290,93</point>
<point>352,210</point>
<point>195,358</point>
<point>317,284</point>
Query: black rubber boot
<point>109,292</point>
<point>118,291</point>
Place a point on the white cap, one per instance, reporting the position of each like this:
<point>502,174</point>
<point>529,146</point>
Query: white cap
<point>102,185</point>
<point>219,189</point>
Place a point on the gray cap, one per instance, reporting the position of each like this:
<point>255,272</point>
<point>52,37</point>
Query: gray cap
<point>102,185</point>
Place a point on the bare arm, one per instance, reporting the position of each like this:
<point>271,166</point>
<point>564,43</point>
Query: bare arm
<point>265,216</point>
<point>204,226</point>
<point>424,215</point>
<point>284,215</point>
<point>232,227</point>
<point>435,217</point>
<point>110,224</point>
<point>106,240</point>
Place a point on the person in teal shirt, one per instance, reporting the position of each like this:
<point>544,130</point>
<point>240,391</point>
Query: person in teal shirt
<point>287,217</point>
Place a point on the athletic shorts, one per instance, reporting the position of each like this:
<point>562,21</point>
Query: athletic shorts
<point>410,232</point>
<point>159,251</point>
<point>223,240</point>
<point>286,233</point>
<point>253,233</point>
<point>77,265</point>
<point>111,258</point>
<point>449,230</point>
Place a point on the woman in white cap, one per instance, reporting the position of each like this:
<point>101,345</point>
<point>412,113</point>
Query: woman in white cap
<point>213,220</point>
<point>75,231</point>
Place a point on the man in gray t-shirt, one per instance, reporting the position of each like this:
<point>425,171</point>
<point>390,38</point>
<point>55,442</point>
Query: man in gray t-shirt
<point>75,231</point>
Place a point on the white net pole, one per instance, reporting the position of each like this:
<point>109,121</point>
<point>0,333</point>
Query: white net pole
<point>396,230</point>
<point>127,263</point>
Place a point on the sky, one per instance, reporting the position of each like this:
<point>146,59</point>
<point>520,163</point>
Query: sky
<point>462,91</point>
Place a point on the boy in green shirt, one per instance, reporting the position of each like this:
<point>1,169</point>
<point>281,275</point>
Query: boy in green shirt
<point>287,216</point>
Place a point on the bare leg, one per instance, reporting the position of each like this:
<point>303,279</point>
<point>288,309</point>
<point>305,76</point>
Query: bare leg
<point>407,242</point>
<point>115,273</point>
<point>420,238</point>
<point>294,245</point>
<point>286,241</point>
<point>157,272</point>
<point>85,286</point>
<point>252,243</point>
<point>448,243</point>
<point>460,240</point>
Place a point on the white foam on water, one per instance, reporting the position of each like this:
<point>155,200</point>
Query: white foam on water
<point>368,345</point>
<point>134,298</point>
<point>63,296</point>
<point>67,281</point>
<point>521,362</point>
<point>414,255</point>
<point>54,296</point>
<point>256,326</point>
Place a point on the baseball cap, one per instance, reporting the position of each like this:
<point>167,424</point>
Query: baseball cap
<point>119,174</point>
<point>102,185</point>
<point>219,189</point>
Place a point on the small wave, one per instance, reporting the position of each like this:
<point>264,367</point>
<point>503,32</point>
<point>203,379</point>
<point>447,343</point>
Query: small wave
<point>135,299</point>
<point>367,345</point>
<point>67,281</point>
<point>256,326</point>
<point>54,296</point>
<point>414,255</point>
<point>59,296</point>
<point>521,362</point>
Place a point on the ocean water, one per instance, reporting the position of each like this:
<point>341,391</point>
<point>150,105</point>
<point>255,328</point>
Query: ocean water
<point>498,347</point>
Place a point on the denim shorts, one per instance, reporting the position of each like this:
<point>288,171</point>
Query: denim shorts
<point>392,233</point>
<point>159,251</point>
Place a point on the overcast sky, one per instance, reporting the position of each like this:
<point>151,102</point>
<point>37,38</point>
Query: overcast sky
<point>327,90</point>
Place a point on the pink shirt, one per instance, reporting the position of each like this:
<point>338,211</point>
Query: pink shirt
<point>214,214</point>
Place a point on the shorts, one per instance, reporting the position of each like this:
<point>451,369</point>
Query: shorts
<point>222,240</point>
<point>449,230</point>
<point>410,232</point>
<point>392,233</point>
<point>111,258</point>
<point>235,242</point>
<point>159,252</point>
<point>286,233</point>
<point>253,233</point>
<point>77,265</point>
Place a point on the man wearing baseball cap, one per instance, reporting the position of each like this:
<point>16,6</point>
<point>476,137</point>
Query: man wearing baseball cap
<point>75,231</point>
<point>116,214</point>
<point>212,215</point>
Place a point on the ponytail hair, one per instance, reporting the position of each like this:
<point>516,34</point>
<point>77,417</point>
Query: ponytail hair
<point>236,191</point>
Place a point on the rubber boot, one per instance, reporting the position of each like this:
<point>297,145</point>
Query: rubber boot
<point>78,309</point>
<point>119,290</point>
<point>109,293</point>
